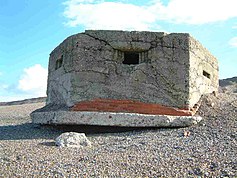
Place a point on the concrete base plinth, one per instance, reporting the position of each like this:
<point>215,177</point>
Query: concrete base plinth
<point>112,119</point>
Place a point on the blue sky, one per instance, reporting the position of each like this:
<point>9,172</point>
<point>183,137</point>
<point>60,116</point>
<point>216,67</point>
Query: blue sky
<point>31,29</point>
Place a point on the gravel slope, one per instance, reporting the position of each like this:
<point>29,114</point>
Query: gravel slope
<point>209,149</point>
<point>17,113</point>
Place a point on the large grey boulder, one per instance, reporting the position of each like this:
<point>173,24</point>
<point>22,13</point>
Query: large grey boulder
<point>72,139</point>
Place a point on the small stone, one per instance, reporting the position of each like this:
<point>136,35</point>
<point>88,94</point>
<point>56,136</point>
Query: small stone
<point>187,133</point>
<point>197,171</point>
<point>215,93</point>
<point>72,139</point>
<point>206,174</point>
<point>213,166</point>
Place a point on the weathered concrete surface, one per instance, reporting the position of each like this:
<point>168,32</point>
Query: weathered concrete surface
<point>201,61</point>
<point>148,68</point>
<point>113,119</point>
<point>169,72</point>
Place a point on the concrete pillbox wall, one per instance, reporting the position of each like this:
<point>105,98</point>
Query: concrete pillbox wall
<point>148,67</point>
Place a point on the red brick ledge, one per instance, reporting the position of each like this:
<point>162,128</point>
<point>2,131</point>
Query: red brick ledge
<point>130,106</point>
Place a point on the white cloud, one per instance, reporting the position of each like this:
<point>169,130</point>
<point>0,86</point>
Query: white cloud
<point>109,15</point>
<point>34,81</point>
<point>1,73</point>
<point>195,11</point>
<point>117,15</point>
<point>233,42</point>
